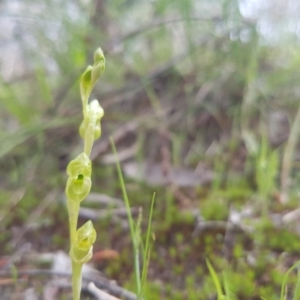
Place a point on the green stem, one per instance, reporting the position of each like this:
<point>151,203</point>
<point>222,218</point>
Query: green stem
<point>76,279</point>
<point>89,140</point>
<point>73,209</point>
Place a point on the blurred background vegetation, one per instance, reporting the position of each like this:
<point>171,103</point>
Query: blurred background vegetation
<point>202,100</point>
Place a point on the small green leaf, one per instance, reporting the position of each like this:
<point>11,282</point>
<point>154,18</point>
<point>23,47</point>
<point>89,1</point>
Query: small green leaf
<point>216,280</point>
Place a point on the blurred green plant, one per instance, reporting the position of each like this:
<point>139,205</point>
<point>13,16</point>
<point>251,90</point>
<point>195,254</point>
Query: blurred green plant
<point>284,289</point>
<point>136,236</point>
<point>216,281</point>
<point>228,288</point>
<point>266,172</point>
<point>79,171</point>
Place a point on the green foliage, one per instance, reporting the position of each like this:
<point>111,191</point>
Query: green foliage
<point>284,282</point>
<point>216,281</point>
<point>214,208</point>
<point>135,232</point>
<point>267,164</point>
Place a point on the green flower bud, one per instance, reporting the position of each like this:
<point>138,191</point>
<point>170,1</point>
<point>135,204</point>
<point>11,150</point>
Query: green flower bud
<point>78,187</point>
<point>86,85</point>
<point>99,57</point>
<point>95,110</point>
<point>91,76</point>
<point>98,66</point>
<point>94,113</point>
<point>79,181</point>
<point>81,165</point>
<point>82,248</point>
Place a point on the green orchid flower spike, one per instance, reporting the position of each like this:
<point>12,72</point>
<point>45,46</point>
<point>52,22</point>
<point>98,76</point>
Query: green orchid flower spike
<point>79,171</point>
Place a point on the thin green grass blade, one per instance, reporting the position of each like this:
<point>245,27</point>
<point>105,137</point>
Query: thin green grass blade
<point>130,219</point>
<point>146,256</point>
<point>216,280</point>
<point>284,282</point>
<point>297,288</point>
<point>226,279</point>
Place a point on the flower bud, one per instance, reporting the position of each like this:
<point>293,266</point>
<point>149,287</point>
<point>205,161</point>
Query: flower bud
<point>81,251</point>
<point>79,181</point>
<point>98,66</point>
<point>86,85</point>
<point>95,110</point>
<point>78,187</point>
<point>94,113</point>
<point>99,57</point>
<point>81,165</point>
<point>91,76</point>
